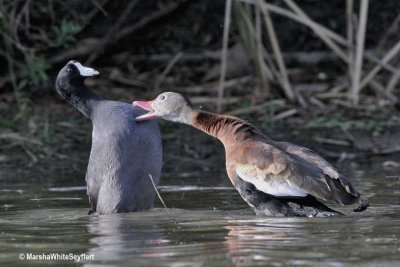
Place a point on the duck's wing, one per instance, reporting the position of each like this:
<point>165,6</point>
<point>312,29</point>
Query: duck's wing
<point>277,172</point>
<point>313,158</point>
<point>309,156</point>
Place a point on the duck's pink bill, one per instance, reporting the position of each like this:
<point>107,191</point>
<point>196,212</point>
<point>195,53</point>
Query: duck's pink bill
<point>146,105</point>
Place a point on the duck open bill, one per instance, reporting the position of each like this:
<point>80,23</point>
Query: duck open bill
<point>146,105</point>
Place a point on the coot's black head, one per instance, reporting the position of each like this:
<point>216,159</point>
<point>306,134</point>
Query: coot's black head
<point>73,73</point>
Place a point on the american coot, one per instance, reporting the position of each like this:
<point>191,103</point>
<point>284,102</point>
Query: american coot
<point>274,178</point>
<point>123,152</point>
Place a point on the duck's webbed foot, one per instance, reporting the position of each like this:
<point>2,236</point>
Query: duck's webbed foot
<point>273,208</point>
<point>309,207</point>
<point>291,207</point>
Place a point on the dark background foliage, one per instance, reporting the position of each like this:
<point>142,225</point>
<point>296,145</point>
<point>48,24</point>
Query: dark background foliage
<point>144,47</point>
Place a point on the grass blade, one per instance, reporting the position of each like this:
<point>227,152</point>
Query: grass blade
<point>158,194</point>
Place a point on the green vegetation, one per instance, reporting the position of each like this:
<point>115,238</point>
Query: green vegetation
<point>64,34</point>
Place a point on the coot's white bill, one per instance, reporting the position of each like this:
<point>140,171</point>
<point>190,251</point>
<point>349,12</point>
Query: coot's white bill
<point>85,71</point>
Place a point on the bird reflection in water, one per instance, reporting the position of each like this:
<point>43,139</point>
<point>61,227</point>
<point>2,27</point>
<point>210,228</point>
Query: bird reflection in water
<point>130,237</point>
<point>255,240</point>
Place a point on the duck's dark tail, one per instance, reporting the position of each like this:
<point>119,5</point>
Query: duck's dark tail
<point>364,204</point>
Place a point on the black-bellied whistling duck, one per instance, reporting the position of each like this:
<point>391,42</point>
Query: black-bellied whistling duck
<point>274,178</point>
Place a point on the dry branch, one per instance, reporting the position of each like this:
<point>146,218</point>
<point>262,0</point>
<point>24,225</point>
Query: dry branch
<point>258,108</point>
<point>278,55</point>
<point>392,82</point>
<point>285,114</point>
<point>355,88</point>
<point>389,55</point>
<point>227,21</point>
<point>212,87</point>
<point>318,30</point>
<point>109,37</point>
<point>332,141</point>
<point>268,65</point>
<point>262,67</point>
<point>350,37</point>
<point>283,12</point>
<point>85,49</point>
<point>164,74</point>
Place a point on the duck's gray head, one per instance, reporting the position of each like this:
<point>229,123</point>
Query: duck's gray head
<point>74,72</point>
<point>168,106</point>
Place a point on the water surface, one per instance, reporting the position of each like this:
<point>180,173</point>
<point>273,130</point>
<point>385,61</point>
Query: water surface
<point>207,224</point>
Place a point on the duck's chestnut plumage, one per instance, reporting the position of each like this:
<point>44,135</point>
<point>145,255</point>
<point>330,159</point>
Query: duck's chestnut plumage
<point>274,178</point>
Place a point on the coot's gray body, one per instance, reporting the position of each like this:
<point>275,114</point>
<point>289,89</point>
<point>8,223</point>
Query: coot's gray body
<point>123,153</point>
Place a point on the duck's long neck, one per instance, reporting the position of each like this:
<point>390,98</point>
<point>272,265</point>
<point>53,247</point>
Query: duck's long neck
<point>226,128</point>
<point>80,97</point>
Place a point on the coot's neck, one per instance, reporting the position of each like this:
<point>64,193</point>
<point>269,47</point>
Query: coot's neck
<point>79,96</point>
